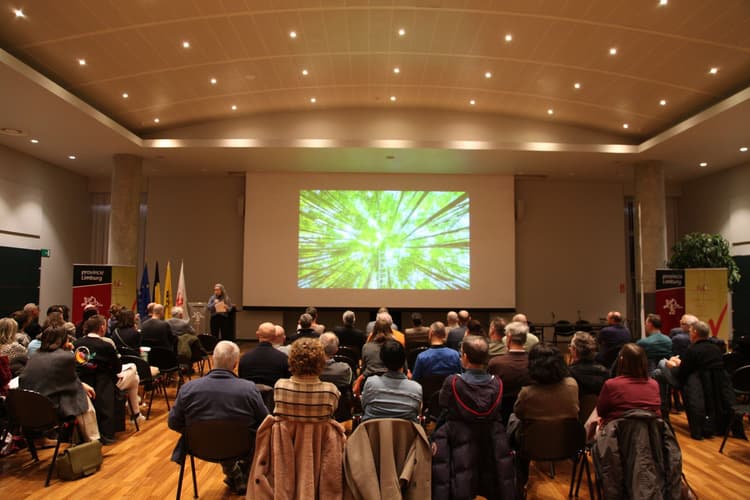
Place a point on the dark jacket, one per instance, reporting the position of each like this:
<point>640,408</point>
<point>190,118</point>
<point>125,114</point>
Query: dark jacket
<point>708,402</point>
<point>351,337</point>
<point>472,455</point>
<point>264,365</point>
<point>637,457</point>
<point>53,374</point>
<point>590,376</point>
<point>157,333</point>
<point>127,340</point>
<point>611,339</point>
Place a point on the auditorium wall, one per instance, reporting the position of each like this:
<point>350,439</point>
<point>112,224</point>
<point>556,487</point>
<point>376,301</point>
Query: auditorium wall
<point>47,207</point>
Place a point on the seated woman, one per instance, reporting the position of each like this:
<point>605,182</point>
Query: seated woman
<point>52,373</point>
<point>16,353</point>
<point>371,362</point>
<point>304,397</point>
<point>392,395</point>
<point>126,337</point>
<point>589,374</point>
<point>631,389</point>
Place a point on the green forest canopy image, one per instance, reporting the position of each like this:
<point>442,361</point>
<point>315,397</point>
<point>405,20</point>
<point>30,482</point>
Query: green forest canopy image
<point>402,240</point>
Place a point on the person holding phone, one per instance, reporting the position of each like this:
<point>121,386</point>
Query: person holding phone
<point>219,307</point>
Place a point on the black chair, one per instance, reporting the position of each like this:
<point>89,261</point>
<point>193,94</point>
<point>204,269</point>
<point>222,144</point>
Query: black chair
<point>562,328</point>
<point>583,326</point>
<point>216,441</point>
<point>208,342</point>
<point>411,356</point>
<point>345,409</point>
<point>198,355</point>
<point>741,386</point>
<point>553,441</point>
<point>431,386</point>
<point>266,392</point>
<point>35,413</point>
<point>349,361</point>
<point>349,352</point>
<point>166,361</point>
<point>148,382</point>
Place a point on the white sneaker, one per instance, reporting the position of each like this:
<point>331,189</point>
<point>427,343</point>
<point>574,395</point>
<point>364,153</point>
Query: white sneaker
<point>140,418</point>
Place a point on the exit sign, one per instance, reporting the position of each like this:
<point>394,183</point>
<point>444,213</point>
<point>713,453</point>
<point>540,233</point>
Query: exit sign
<point>45,252</point>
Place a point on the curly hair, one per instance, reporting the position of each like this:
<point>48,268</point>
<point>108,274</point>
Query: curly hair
<point>307,357</point>
<point>8,330</point>
<point>584,345</point>
<point>546,365</point>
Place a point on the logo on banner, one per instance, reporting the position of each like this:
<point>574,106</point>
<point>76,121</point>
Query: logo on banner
<point>91,301</point>
<point>672,306</point>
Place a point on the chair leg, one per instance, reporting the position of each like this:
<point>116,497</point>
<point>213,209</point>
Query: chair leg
<point>133,415</point>
<point>179,480</point>
<point>576,460</point>
<point>552,470</point>
<point>588,478</point>
<point>166,397</point>
<point>726,434</point>
<point>195,481</point>
<point>151,401</point>
<point>54,459</point>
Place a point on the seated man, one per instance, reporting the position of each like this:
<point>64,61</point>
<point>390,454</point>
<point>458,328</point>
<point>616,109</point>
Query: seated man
<point>304,329</point>
<point>657,345</point>
<point>279,340</point>
<point>681,336</point>
<point>178,324</point>
<point>348,334</point>
<point>219,395</point>
<point>439,359</point>
<point>392,395</point>
<point>418,334</point>
<point>155,332</point>
<point>497,337</point>
<point>456,335</point>
<point>335,372</point>
<point>611,338</point>
<point>512,368</point>
<point>531,339</point>
<point>264,364</point>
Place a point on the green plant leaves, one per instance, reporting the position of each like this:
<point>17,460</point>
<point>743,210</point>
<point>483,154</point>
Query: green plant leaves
<point>696,250</point>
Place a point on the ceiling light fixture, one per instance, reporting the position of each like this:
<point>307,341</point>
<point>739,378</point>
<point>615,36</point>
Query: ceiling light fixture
<point>576,85</point>
<point>234,107</point>
<point>82,62</point>
<point>472,102</point>
<point>508,37</point>
<point>19,13</point>
<point>743,149</point>
<point>488,75</point>
<point>71,157</point>
<point>156,120</point>
<point>292,34</point>
<point>397,70</point>
<point>313,100</point>
<point>401,32</point>
<point>305,72</point>
<point>34,141</point>
<point>703,164</point>
<point>393,98</point>
<point>613,51</point>
<point>713,70</point>
<point>625,125</point>
<point>663,2</point>
<point>185,44</point>
<point>663,102</point>
<point>213,81</point>
<point>550,111</point>
<point>125,95</point>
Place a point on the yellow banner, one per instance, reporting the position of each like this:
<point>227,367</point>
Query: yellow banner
<point>123,285</point>
<point>707,297</point>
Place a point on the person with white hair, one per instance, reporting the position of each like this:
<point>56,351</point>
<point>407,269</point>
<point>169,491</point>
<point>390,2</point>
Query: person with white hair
<point>178,324</point>
<point>348,334</point>
<point>264,364</point>
<point>219,395</point>
<point>371,324</point>
<point>335,372</point>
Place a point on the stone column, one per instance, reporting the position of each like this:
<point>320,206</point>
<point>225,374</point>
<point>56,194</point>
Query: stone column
<point>124,218</point>
<point>650,199</point>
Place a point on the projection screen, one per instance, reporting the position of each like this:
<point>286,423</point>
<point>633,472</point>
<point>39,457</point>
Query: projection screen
<point>366,240</point>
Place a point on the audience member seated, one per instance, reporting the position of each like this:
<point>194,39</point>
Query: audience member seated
<point>52,373</point>
<point>611,338</point>
<point>392,395</point>
<point>657,345</point>
<point>681,335</point>
<point>178,324</point>
<point>708,390</point>
<point>631,388</point>
<point>348,334</point>
<point>471,453</point>
<point>439,359</point>
<point>89,310</point>
<point>33,328</point>
<point>303,397</point>
<point>418,334</point>
<point>304,329</point>
<point>279,340</point>
<point>456,334</point>
<point>264,364</point>
<point>497,337</point>
<point>126,337</point>
<point>220,395</point>
<point>313,312</point>
<point>371,324</point>
<point>336,372</point>
<point>371,362</point>
<point>397,335</point>
<point>589,374</point>
<point>531,339</point>
<point>22,320</point>
<point>100,367</point>
<point>513,367</point>
<point>155,332</point>
<point>16,353</point>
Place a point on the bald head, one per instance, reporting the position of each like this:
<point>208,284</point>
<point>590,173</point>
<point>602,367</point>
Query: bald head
<point>280,336</point>
<point>266,332</point>
<point>463,317</point>
<point>520,318</point>
<point>226,355</point>
<point>158,311</point>
<point>452,318</point>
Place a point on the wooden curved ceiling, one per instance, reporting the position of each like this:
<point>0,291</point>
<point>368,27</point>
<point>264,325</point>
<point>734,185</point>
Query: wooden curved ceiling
<point>350,50</point>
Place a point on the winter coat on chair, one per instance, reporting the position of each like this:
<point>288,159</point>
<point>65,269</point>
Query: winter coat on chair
<point>708,402</point>
<point>637,458</point>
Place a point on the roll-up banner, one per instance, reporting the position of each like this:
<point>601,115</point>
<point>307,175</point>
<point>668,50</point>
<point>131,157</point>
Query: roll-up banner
<point>101,286</point>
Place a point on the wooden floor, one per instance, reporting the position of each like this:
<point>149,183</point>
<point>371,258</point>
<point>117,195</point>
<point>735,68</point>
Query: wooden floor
<point>138,466</point>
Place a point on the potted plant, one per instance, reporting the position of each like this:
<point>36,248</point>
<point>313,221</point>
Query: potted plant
<point>702,250</point>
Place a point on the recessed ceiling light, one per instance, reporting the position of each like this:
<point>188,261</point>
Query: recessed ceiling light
<point>550,111</point>
<point>743,149</point>
<point>213,81</point>
<point>397,70</point>
<point>185,44</point>
<point>71,157</point>
<point>393,98</point>
<point>19,13</point>
<point>472,102</point>
<point>663,2</point>
<point>125,95</point>
<point>401,32</point>
<point>663,102</point>
<point>488,75</point>
<point>508,37</point>
<point>313,100</point>
<point>82,62</point>
<point>156,120</point>
<point>34,141</point>
<point>613,51</point>
<point>292,34</point>
<point>703,164</point>
<point>305,72</point>
<point>576,85</point>
<point>234,107</point>
<point>625,125</point>
<point>713,70</point>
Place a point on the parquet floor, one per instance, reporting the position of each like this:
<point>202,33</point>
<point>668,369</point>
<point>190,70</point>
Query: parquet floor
<point>138,466</point>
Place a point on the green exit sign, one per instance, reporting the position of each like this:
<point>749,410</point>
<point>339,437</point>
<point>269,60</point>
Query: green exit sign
<point>45,252</point>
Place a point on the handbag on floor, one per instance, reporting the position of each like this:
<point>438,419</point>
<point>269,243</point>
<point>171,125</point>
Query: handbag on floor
<point>79,461</point>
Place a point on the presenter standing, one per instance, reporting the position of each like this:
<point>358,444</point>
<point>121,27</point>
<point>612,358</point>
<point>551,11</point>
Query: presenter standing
<point>219,307</point>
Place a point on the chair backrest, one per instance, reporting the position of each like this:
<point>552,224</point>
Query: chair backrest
<point>551,440</point>
<point>564,327</point>
<point>741,380</point>
<point>266,392</point>
<point>349,352</point>
<point>583,326</point>
<point>346,402</point>
<point>196,351</point>
<point>31,410</point>
<point>163,359</point>
<point>208,342</point>
<point>411,356</point>
<point>431,385</point>
<point>219,440</point>
<point>349,361</point>
<point>143,368</point>
<point>586,405</point>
